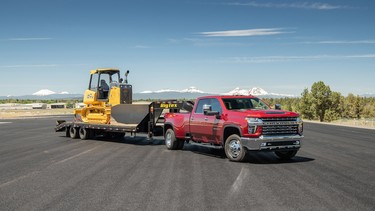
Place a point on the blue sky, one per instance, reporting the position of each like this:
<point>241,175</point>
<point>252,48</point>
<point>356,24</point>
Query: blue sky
<point>214,45</point>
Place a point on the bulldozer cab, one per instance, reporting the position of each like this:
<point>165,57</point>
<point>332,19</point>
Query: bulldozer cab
<point>102,80</point>
<point>106,86</point>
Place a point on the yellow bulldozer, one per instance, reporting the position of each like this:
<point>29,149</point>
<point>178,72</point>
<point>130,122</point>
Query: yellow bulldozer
<point>109,109</point>
<point>106,89</point>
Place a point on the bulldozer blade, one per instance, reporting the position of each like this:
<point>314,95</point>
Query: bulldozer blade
<point>130,113</point>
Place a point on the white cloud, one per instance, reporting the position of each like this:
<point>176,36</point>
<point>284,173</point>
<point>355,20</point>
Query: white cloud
<point>29,66</point>
<point>342,42</point>
<point>246,32</point>
<point>40,65</point>
<point>142,46</point>
<point>365,56</point>
<point>29,38</point>
<point>271,59</point>
<point>297,5</point>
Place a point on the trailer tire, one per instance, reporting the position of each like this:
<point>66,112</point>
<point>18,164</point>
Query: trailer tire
<point>234,149</point>
<point>67,131</point>
<point>170,140</point>
<point>73,132</point>
<point>84,133</point>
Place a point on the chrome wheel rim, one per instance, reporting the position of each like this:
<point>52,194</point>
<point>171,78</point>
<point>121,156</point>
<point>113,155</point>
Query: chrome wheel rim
<point>234,148</point>
<point>168,139</point>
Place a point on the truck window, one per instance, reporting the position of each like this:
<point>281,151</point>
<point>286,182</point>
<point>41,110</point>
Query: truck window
<point>216,105</point>
<point>258,104</point>
<point>199,108</point>
<point>244,103</point>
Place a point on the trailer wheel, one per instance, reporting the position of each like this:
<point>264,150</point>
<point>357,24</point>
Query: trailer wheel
<point>73,131</point>
<point>286,155</point>
<point>234,149</point>
<point>84,133</point>
<point>170,140</point>
<point>67,131</point>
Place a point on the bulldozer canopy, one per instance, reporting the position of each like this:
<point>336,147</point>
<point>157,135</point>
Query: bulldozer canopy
<point>110,71</point>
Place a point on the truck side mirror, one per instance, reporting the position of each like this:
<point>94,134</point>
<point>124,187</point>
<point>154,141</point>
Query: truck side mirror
<point>277,107</point>
<point>207,108</point>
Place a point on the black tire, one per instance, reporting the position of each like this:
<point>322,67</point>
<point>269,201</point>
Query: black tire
<point>170,140</point>
<point>84,133</point>
<point>234,149</point>
<point>181,144</point>
<point>67,131</point>
<point>286,155</point>
<point>73,132</point>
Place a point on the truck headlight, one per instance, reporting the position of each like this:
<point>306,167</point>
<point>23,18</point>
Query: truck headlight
<point>300,125</point>
<point>252,124</point>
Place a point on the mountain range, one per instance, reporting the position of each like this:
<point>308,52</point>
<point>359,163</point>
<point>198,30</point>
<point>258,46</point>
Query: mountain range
<point>189,93</point>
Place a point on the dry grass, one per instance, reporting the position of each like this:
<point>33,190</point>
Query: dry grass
<point>366,123</point>
<point>362,123</point>
<point>19,114</point>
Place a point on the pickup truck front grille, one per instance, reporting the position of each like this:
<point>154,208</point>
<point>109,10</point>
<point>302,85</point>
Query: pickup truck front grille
<point>279,125</point>
<point>279,129</point>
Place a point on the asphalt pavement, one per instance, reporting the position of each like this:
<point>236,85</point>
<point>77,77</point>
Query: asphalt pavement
<point>44,170</point>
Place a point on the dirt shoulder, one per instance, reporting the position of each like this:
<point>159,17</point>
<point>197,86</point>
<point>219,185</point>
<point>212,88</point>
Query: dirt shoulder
<point>19,114</point>
<point>348,123</point>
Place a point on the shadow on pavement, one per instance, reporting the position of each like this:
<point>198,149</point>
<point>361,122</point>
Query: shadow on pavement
<point>271,158</point>
<point>251,157</point>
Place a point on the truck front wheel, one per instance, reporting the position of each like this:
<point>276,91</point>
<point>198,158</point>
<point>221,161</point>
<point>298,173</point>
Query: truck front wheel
<point>234,149</point>
<point>170,140</point>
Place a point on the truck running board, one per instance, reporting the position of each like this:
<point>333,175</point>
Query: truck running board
<point>205,145</point>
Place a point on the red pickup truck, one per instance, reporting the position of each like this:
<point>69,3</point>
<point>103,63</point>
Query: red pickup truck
<point>236,123</point>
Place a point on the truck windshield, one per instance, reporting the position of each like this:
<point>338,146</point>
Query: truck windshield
<point>244,103</point>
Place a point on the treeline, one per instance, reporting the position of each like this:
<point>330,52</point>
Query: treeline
<point>323,104</point>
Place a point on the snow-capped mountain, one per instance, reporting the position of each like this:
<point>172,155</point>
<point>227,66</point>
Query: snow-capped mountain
<point>191,89</point>
<point>44,92</point>
<point>189,93</point>
<point>256,91</point>
<point>238,91</point>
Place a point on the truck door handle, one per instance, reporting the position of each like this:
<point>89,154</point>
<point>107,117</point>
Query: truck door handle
<point>192,118</point>
<point>205,119</point>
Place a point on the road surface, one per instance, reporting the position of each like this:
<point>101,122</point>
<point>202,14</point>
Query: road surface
<point>43,170</point>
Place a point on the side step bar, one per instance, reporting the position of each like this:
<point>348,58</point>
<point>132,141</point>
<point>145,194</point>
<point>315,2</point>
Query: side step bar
<point>205,145</point>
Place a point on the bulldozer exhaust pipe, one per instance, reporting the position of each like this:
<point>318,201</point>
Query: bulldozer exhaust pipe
<point>126,76</point>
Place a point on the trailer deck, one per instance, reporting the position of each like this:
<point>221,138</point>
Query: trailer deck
<point>128,118</point>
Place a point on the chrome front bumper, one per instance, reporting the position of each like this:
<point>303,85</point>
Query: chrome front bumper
<point>272,142</point>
